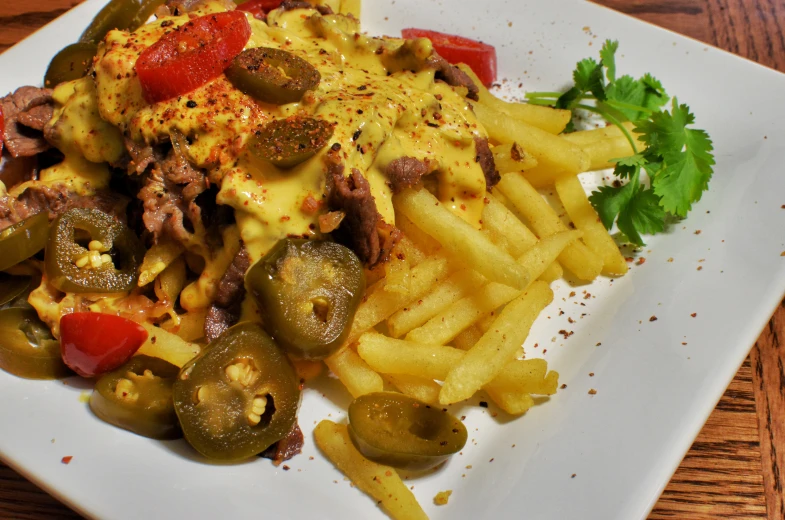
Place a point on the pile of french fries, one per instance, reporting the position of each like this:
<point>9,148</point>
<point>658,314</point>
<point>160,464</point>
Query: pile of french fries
<point>451,315</point>
<point>446,318</point>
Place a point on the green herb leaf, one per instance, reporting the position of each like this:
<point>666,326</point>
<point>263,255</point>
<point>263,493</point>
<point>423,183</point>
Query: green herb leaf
<point>677,159</point>
<point>686,157</point>
<point>642,214</point>
<point>608,59</point>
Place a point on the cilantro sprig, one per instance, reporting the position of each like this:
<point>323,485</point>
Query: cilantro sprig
<point>677,160</point>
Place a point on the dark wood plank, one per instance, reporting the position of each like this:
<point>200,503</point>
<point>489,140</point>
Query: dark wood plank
<point>721,475</point>
<point>769,377</point>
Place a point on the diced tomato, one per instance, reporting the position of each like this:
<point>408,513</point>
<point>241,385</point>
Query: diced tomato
<point>93,343</point>
<point>192,55</point>
<point>481,57</point>
<point>259,8</point>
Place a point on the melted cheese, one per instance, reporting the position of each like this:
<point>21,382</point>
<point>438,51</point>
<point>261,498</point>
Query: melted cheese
<point>385,105</point>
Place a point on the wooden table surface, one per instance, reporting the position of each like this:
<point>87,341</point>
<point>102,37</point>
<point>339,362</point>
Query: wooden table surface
<point>733,468</point>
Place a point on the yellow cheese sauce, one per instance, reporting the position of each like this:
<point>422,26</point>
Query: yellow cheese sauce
<point>383,109</point>
<point>384,102</point>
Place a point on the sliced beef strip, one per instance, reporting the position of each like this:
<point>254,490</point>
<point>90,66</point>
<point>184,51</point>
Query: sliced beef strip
<point>225,310</point>
<point>141,156</point>
<point>362,230</point>
<point>23,141</point>
<point>453,76</point>
<point>37,117</point>
<point>291,5</point>
<point>287,447</point>
<point>178,7</point>
<point>485,158</point>
<point>19,170</point>
<point>405,172</point>
<point>169,198</point>
<point>56,201</point>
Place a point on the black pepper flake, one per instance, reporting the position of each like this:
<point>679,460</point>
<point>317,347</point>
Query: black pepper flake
<point>166,23</point>
<point>285,467</point>
<point>335,147</point>
<point>356,135</point>
<point>432,125</point>
<point>359,110</point>
<point>362,87</point>
<point>191,103</point>
<point>653,318</point>
<point>484,404</point>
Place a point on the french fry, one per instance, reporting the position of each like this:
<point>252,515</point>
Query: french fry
<point>379,305</point>
<point>459,238</point>
<point>511,390</point>
<point>485,360</point>
<point>396,356</point>
<point>537,259</point>
<point>419,238</point>
<point>426,390</point>
<point>525,376</point>
<point>584,137</point>
<point>167,346</point>
<point>576,257</point>
<point>513,403</point>
<point>355,374</point>
<point>544,176</point>
<point>170,281</point>
<point>550,150</point>
<point>505,229</point>
<point>459,285</point>
<point>189,326</point>
<point>551,120</point>
<point>422,364</point>
<point>381,482</point>
<point>600,146</point>
<point>351,7</point>
<point>601,152</point>
<point>552,273</point>
<point>157,258</point>
<point>510,157</point>
<point>198,294</point>
<point>397,278</point>
<point>468,337</point>
<point>443,327</point>
<point>585,218</point>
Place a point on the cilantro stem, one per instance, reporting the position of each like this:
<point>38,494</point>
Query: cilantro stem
<point>628,106</point>
<point>613,121</point>
<point>535,95</point>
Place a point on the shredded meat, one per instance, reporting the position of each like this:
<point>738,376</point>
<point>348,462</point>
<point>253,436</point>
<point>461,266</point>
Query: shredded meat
<point>453,76</point>
<point>485,158</point>
<point>37,117</point>
<point>287,447</point>
<point>405,172</point>
<point>178,7</point>
<point>291,5</point>
<point>22,117</point>
<point>225,310</point>
<point>56,201</point>
<point>141,156</point>
<point>363,230</point>
<point>169,198</point>
<point>16,171</point>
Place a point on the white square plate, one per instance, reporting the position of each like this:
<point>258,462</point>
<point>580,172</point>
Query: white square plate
<point>653,391</point>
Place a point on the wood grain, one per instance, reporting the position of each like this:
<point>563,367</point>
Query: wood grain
<point>769,376</point>
<point>736,467</point>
